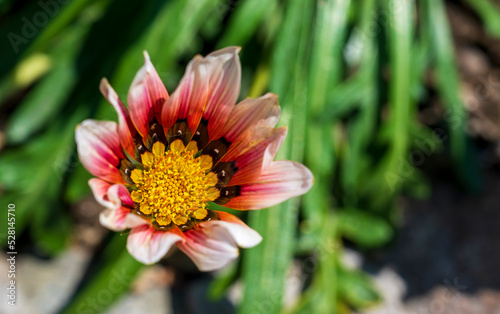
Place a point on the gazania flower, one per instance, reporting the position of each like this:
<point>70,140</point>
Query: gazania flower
<point>169,156</point>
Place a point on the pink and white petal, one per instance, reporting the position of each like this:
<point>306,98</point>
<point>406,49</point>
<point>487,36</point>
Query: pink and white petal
<point>126,128</point>
<point>212,246</point>
<point>189,99</point>
<point>251,164</point>
<point>99,149</point>
<point>280,181</point>
<point>120,219</point>
<point>100,190</point>
<point>262,111</point>
<point>146,96</point>
<point>209,88</point>
<point>118,194</point>
<point>247,141</point>
<point>243,235</point>
<point>110,195</point>
<point>115,217</point>
<point>148,246</point>
<point>224,88</point>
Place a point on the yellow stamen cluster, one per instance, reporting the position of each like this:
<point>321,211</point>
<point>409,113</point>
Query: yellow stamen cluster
<point>174,186</point>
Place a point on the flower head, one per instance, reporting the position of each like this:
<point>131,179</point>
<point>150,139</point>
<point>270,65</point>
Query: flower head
<point>169,156</point>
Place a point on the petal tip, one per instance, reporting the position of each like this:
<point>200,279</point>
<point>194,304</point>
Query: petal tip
<point>228,54</point>
<point>104,81</point>
<point>105,88</point>
<point>147,59</point>
<point>271,96</point>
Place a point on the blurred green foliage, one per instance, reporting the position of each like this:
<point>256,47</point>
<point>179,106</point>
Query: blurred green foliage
<point>350,76</point>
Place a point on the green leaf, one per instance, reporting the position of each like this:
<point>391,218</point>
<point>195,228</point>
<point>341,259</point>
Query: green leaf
<point>401,111</point>
<point>82,11</point>
<point>219,285</point>
<point>51,94</point>
<point>38,187</point>
<point>324,75</point>
<point>346,97</point>
<point>357,288</point>
<point>164,44</point>
<point>321,296</point>
<point>489,14</point>
<point>77,185</point>
<point>17,32</point>
<point>448,83</point>
<point>361,127</point>
<point>42,103</point>
<point>266,265</point>
<point>243,23</point>
<point>402,106</point>
<point>364,228</point>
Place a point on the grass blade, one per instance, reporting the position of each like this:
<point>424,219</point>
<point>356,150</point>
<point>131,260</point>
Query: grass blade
<point>449,88</point>
<point>265,266</point>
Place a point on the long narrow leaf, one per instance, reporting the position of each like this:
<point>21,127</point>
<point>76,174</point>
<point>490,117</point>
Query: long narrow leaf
<point>265,266</point>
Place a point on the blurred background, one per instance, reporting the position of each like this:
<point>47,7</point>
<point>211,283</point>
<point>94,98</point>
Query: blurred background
<point>394,105</point>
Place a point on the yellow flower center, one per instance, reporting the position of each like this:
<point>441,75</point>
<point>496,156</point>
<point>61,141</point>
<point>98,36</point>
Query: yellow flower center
<point>174,185</point>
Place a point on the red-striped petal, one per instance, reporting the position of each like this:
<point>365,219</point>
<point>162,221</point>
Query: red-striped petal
<point>209,88</point>
<point>120,219</point>
<point>126,128</point>
<point>224,89</point>
<point>99,149</point>
<point>215,243</point>
<point>189,99</point>
<point>280,181</point>
<point>246,141</point>
<point>148,246</point>
<point>146,96</point>
<point>257,158</point>
<point>243,235</point>
<point>100,190</point>
<point>252,112</point>
<point>115,217</point>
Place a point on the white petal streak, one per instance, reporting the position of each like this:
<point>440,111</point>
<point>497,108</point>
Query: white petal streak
<point>148,246</point>
<point>280,181</point>
<point>99,149</point>
<point>215,243</point>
